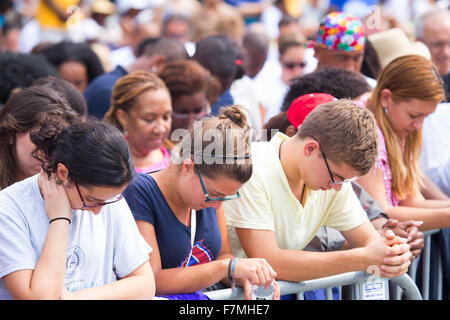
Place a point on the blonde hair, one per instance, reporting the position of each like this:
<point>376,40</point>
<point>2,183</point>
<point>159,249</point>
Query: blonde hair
<point>127,89</point>
<point>407,77</point>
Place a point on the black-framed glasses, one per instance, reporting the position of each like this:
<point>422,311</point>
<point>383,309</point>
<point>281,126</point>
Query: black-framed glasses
<point>331,174</point>
<point>208,198</point>
<point>99,204</point>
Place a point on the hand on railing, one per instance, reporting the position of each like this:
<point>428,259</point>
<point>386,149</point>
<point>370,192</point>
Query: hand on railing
<point>390,253</point>
<point>255,271</point>
<point>248,289</point>
<point>408,230</point>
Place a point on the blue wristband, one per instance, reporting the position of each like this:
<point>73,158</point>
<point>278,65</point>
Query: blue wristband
<point>233,267</point>
<point>233,283</point>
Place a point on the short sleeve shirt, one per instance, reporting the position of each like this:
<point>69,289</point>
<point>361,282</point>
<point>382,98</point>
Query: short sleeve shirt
<point>102,248</point>
<point>267,203</point>
<point>147,203</point>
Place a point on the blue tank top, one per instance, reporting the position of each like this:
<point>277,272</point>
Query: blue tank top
<point>147,203</point>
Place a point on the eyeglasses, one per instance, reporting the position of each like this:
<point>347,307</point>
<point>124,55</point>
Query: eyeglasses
<point>99,204</point>
<point>208,198</point>
<point>197,113</point>
<point>193,115</point>
<point>292,65</point>
<point>331,175</point>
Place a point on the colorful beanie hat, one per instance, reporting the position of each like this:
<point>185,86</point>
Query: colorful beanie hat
<point>341,31</point>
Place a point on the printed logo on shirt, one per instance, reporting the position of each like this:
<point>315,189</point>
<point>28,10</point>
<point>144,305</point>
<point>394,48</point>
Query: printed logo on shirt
<point>75,261</point>
<point>200,254</point>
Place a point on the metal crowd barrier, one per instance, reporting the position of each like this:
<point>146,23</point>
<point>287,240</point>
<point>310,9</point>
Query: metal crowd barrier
<point>355,279</point>
<point>406,284</point>
<point>426,255</point>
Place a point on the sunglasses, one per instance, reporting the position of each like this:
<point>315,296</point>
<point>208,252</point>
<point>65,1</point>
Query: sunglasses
<point>193,115</point>
<point>99,204</point>
<point>208,198</point>
<point>331,174</point>
<point>292,65</point>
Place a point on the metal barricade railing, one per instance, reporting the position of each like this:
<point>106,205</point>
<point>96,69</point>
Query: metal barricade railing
<point>351,278</point>
<point>426,256</point>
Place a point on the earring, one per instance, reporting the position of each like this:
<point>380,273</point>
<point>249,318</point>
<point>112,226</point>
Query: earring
<point>385,111</point>
<point>58,181</point>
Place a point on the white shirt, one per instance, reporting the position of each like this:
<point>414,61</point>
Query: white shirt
<point>244,94</point>
<point>101,248</point>
<point>435,156</point>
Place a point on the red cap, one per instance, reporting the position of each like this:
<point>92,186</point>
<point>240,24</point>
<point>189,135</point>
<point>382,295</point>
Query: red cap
<point>304,104</point>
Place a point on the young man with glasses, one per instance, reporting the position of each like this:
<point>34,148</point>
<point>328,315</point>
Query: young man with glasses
<point>301,183</point>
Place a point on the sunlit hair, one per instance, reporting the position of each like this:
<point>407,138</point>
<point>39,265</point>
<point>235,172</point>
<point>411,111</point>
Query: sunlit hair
<point>218,145</point>
<point>407,77</point>
<point>127,89</point>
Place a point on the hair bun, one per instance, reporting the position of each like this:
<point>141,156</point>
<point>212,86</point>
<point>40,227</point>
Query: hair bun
<point>236,114</point>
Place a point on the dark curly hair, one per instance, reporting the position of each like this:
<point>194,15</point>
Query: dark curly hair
<point>20,70</point>
<point>340,83</point>
<point>67,51</point>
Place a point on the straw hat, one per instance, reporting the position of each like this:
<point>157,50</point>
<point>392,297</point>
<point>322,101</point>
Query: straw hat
<point>103,7</point>
<point>394,43</point>
<point>124,5</point>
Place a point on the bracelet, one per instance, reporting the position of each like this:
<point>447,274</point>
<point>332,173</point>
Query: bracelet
<point>229,269</point>
<point>233,283</point>
<point>60,218</point>
<point>233,267</point>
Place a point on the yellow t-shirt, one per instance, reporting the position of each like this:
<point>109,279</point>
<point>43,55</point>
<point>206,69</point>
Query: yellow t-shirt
<point>267,203</point>
<point>49,19</point>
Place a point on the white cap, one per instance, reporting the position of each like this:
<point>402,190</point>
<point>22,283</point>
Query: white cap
<point>124,5</point>
<point>393,43</point>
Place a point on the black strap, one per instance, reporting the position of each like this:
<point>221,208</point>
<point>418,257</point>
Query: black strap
<point>60,218</point>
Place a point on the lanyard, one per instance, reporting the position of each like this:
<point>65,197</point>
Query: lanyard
<point>193,229</point>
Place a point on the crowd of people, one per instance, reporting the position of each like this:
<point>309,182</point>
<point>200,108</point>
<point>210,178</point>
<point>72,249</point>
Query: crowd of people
<point>159,149</point>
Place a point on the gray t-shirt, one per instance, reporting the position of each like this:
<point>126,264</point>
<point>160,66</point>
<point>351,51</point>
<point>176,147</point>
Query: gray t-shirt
<point>101,248</point>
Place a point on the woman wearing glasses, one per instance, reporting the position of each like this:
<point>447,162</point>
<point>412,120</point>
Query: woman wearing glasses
<point>175,210</point>
<point>67,233</point>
